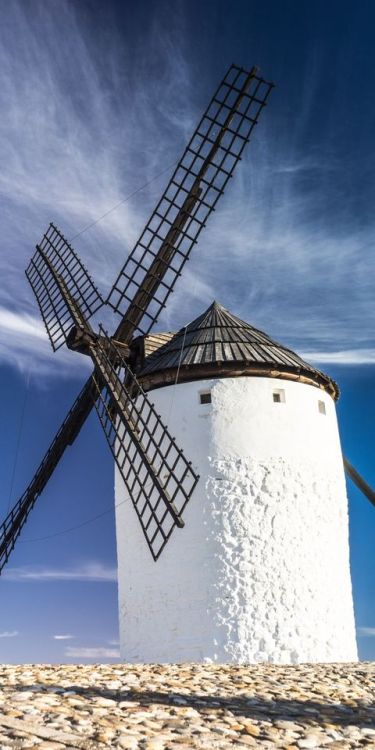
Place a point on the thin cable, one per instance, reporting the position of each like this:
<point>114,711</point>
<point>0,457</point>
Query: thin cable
<point>180,360</point>
<point>88,226</point>
<point>18,443</point>
<point>78,526</point>
<point>181,353</point>
<point>116,505</point>
<point>177,376</point>
<point>110,210</point>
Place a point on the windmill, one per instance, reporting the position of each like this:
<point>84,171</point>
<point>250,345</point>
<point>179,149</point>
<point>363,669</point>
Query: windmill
<point>152,468</point>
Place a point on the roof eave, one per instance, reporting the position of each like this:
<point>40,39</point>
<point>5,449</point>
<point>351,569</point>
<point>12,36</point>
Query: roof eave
<point>186,373</point>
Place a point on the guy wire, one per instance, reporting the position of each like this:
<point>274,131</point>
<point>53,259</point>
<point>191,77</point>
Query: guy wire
<point>116,505</point>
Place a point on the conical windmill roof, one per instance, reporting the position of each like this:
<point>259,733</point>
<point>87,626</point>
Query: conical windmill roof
<point>218,344</point>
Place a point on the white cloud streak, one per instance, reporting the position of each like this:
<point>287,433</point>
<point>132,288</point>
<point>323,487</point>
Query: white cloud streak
<point>92,653</point>
<point>94,572</point>
<point>25,345</point>
<point>63,637</point>
<point>25,324</point>
<point>366,632</point>
<point>348,357</point>
<point>9,634</point>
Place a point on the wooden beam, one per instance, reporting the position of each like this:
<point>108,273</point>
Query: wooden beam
<point>359,481</point>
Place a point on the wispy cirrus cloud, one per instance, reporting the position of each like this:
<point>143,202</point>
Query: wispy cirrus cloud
<point>94,572</point>
<point>366,632</point>
<point>291,246</point>
<point>26,325</point>
<point>90,653</point>
<point>9,634</point>
<point>24,344</point>
<point>72,147</point>
<point>63,637</point>
<point>346,357</point>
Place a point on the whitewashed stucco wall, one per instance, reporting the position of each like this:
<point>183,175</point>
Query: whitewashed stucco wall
<point>261,570</point>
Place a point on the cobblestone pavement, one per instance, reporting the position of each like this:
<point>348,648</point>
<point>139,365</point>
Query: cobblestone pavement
<point>182,707</point>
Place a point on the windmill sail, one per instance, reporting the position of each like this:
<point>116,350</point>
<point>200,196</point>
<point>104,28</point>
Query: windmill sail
<point>158,477</point>
<point>152,269</point>
<point>362,485</point>
<point>12,526</point>
<point>62,286</point>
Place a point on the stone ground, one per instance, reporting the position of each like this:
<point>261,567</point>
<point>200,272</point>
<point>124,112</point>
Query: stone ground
<point>182,707</point>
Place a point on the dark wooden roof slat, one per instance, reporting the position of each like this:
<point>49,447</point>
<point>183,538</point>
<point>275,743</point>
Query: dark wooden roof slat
<point>217,336</point>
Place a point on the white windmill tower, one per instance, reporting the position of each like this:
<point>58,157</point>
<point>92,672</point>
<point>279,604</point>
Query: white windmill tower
<point>260,570</point>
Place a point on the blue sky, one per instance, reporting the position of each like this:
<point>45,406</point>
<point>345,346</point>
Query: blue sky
<point>97,100</point>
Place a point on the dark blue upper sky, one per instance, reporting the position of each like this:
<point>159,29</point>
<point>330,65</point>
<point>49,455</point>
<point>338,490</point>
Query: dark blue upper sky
<point>97,100</point>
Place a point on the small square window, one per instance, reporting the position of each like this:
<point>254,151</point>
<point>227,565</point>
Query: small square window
<point>321,407</point>
<point>205,398</point>
<point>278,396</point>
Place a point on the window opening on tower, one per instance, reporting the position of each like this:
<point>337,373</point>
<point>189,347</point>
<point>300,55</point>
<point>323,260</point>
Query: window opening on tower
<point>205,397</point>
<point>279,396</point>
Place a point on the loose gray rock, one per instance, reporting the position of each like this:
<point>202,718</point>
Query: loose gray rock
<point>187,707</point>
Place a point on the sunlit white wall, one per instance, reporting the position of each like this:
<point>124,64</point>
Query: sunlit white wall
<point>261,570</point>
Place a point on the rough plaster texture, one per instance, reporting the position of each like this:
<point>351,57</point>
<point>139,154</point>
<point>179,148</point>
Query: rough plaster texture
<point>261,570</point>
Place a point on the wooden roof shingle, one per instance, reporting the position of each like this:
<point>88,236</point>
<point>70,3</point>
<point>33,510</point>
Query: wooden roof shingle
<point>219,338</point>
